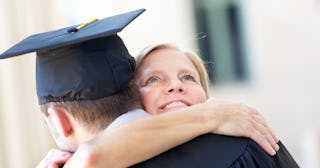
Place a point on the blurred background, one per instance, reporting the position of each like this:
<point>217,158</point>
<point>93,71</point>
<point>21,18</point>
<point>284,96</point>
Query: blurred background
<point>262,53</point>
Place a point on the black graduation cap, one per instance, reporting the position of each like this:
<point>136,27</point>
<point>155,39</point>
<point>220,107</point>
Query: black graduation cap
<point>81,62</point>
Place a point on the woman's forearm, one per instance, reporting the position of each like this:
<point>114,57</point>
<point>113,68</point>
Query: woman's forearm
<point>140,140</point>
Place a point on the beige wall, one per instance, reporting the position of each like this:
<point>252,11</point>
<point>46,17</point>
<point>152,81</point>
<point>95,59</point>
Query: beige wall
<point>282,36</point>
<point>24,135</point>
<point>283,42</point>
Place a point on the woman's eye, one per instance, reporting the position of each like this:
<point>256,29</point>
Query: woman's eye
<point>152,80</point>
<point>188,78</point>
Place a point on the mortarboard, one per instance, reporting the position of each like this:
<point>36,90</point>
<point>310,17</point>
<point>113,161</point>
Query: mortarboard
<point>81,62</point>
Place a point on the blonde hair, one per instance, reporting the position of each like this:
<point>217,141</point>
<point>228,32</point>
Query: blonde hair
<point>193,57</point>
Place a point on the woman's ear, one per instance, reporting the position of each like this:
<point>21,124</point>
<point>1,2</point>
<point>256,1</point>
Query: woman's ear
<point>61,120</point>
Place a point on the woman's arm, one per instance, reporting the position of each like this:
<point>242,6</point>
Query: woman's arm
<point>140,140</point>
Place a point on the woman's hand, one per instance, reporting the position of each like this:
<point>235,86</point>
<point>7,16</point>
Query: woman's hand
<point>54,159</point>
<point>236,119</point>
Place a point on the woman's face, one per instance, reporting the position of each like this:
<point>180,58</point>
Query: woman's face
<point>168,80</point>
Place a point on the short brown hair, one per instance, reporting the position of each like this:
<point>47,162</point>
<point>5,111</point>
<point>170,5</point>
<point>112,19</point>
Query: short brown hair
<point>97,114</point>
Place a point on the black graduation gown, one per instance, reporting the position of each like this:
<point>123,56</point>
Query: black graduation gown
<point>218,151</point>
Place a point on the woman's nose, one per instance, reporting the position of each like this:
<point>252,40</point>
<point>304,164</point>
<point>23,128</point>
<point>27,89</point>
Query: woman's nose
<point>176,86</point>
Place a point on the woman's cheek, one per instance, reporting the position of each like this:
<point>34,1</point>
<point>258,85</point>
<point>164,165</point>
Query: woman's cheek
<point>144,92</point>
<point>199,96</point>
<point>148,98</point>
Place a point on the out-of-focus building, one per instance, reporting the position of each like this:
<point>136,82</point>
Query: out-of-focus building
<point>262,53</point>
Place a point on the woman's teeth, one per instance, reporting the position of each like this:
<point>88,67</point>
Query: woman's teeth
<point>175,104</point>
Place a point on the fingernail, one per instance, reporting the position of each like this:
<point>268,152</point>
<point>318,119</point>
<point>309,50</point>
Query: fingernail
<point>278,147</point>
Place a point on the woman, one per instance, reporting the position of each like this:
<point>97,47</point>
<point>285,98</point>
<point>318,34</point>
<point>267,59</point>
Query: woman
<point>183,83</point>
<point>170,78</point>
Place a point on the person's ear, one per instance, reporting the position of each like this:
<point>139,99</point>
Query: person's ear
<point>61,120</point>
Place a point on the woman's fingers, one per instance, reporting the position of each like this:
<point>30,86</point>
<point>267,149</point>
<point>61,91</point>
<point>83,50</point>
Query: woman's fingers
<point>267,132</point>
<point>262,136</point>
<point>261,140</point>
<point>54,158</point>
<point>241,120</point>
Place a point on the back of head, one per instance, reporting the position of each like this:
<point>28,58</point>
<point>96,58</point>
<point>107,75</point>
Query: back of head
<point>85,68</point>
<point>96,115</point>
